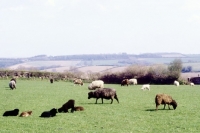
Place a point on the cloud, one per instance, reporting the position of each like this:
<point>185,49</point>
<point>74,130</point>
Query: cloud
<point>191,5</point>
<point>15,8</point>
<point>50,3</point>
<point>194,18</point>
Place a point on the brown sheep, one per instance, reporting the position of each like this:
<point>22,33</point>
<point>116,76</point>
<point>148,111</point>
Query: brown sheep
<point>25,114</point>
<point>165,99</point>
<point>104,93</point>
<point>66,106</point>
<point>78,108</point>
<point>124,82</point>
<point>78,81</point>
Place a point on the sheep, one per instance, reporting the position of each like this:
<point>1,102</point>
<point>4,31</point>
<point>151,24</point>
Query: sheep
<point>104,93</point>
<point>78,108</point>
<point>13,79</point>
<point>51,80</point>
<point>66,106</point>
<point>14,112</point>
<point>50,113</point>
<point>176,83</point>
<point>124,82</point>
<point>96,84</point>
<point>165,99</point>
<point>132,81</point>
<point>191,84</point>
<point>12,84</point>
<point>78,81</point>
<point>146,86</point>
<point>25,114</point>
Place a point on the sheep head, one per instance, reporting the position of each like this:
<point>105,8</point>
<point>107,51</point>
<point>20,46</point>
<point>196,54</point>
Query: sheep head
<point>90,95</point>
<point>174,104</point>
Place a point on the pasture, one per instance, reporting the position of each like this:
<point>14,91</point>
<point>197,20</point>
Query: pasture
<point>135,112</point>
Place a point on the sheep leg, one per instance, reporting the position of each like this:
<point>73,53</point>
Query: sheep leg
<point>111,100</point>
<point>156,106</point>
<point>116,98</point>
<point>96,100</point>
<point>164,106</point>
<point>72,110</point>
<point>168,106</point>
<point>102,100</point>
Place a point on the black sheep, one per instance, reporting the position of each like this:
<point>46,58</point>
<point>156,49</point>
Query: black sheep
<point>51,80</point>
<point>50,113</point>
<point>104,93</point>
<point>14,112</point>
<point>66,106</point>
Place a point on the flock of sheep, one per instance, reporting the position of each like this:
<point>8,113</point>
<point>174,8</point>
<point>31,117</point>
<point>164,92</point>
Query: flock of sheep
<point>99,92</point>
<point>109,93</point>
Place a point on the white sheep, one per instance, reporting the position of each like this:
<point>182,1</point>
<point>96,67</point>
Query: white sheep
<point>12,84</point>
<point>132,81</point>
<point>191,84</point>
<point>176,83</point>
<point>96,84</point>
<point>146,86</point>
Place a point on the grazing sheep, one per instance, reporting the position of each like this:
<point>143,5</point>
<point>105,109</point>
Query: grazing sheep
<point>104,93</point>
<point>50,113</point>
<point>96,84</point>
<point>165,99</point>
<point>14,112</point>
<point>12,84</point>
<point>25,114</point>
<point>176,83</point>
<point>78,81</point>
<point>191,84</point>
<point>66,106</point>
<point>132,81</point>
<point>78,108</point>
<point>146,86</point>
<point>124,82</point>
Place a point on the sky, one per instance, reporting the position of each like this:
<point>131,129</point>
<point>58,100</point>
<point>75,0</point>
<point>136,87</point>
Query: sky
<point>69,27</point>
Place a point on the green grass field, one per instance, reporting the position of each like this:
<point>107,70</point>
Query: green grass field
<point>135,113</point>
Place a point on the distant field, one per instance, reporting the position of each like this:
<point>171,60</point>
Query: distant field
<point>135,112</point>
<point>45,63</point>
<point>101,65</point>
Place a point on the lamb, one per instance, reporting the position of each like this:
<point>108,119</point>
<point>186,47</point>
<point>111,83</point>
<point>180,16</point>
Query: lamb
<point>96,84</point>
<point>14,112</point>
<point>50,113</point>
<point>146,86</point>
<point>51,80</point>
<point>132,81</point>
<point>165,99</point>
<point>12,84</point>
<point>124,82</point>
<point>176,83</point>
<point>25,114</point>
<point>191,84</point>
<point>78,81</point>
<point>66,106</point>
<point>104,93</point>
<point>78,108</point>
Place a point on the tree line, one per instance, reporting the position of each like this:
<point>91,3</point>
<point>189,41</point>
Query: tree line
<point>157,74</point>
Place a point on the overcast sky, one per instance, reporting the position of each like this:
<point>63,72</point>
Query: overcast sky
<point>67,27</point>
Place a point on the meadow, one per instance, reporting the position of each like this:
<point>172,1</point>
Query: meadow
<point>135,113</point>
